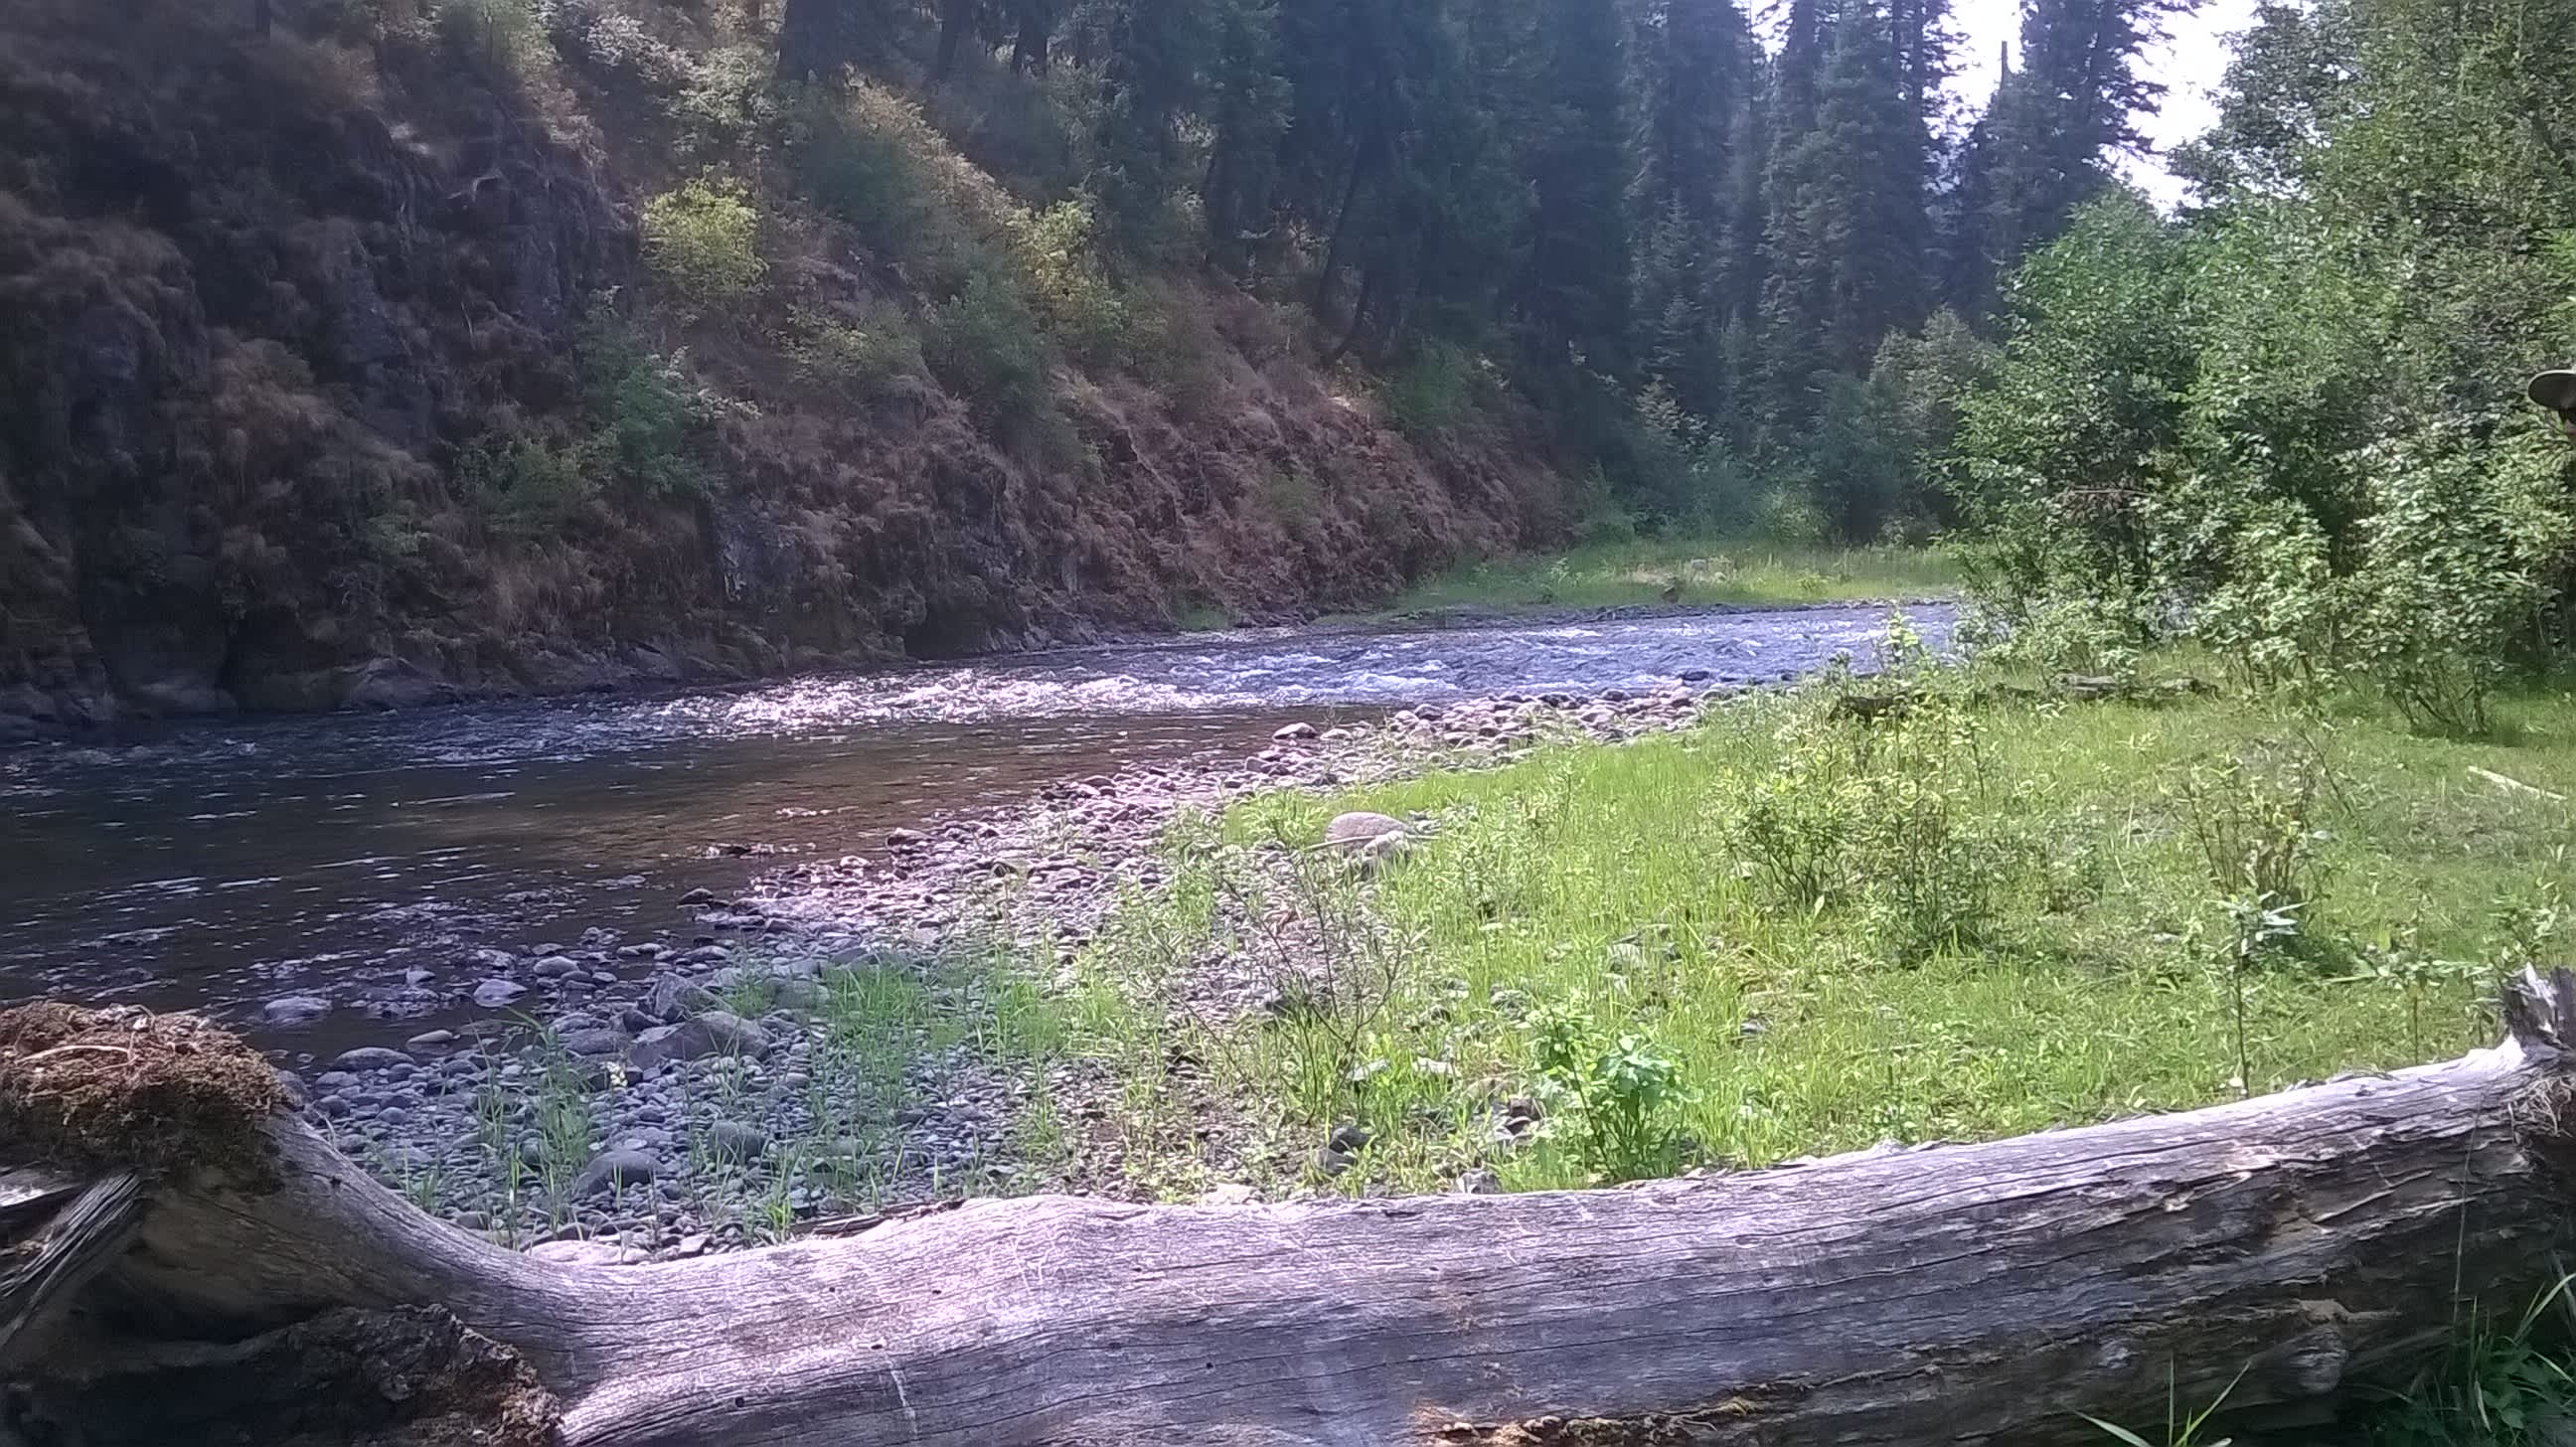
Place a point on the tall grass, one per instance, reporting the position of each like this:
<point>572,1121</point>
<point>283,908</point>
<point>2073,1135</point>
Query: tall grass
<point>2080,967</point>
<point>1688,570</point>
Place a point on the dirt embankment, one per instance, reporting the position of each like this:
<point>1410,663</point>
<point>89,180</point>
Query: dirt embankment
<point>291,326</point>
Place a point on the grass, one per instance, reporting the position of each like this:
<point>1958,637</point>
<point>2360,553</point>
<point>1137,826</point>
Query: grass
<point>1795,936</point>
<point>1788,933</point>
<point>1705,571</point>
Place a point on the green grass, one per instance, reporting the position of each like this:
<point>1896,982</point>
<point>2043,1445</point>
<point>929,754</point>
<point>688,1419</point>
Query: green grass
<point>1708,570</point>
<point>2008,925</point>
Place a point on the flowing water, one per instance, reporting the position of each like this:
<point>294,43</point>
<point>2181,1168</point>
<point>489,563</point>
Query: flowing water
<point>215,867</point>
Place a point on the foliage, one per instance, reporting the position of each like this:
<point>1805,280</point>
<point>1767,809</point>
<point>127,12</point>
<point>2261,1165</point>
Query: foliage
<point>987,344</point>
<point>1611,1093</point>
<point>2286,427</point>
<point>704,239</point>
<point>1432,392</point>
<point>2101,982</point>
<point>868,353</point>
<point>507,36</point>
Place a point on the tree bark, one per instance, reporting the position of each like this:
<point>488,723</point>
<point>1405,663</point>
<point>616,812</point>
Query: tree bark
<point>1955,1294</point>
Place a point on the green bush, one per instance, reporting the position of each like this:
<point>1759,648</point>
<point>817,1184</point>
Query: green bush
<point>868,354</point>
<point>1070,292</point>
<point>1432,392</point>
<point>509,36</point>
<point>704,239</point>
<point>647,415</point>
<point>1613,1096</point>
<point>729,100</point>
<point>528,487</point>
<point>2464,546</point>
<point>986,345</point>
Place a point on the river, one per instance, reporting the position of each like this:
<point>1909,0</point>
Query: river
<point>219,866</point>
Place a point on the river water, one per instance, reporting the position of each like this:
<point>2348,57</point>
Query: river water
<point>219,866</point>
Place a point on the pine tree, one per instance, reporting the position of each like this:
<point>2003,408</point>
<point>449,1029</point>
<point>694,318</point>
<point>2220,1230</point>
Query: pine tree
<point>1157,51</point>
<point>1574,290</point>
<point>1845,245</point>
<point>1248,100</point>
<point>1693,66</point>
<point>2041,148</point>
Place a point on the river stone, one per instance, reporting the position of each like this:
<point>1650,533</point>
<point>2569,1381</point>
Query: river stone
<point>334,1080</point>
<point>294,1010</point>
<point>489,961</point>
<point>713,1033</point>
<point>586,1253</point>
<point>615,1169</point>
<point>429,1040</point>
<point>369,1059</point>
<point>906,839</point>
<point>739,1143</point>
<point>672,998</point>
<point>1294,732</point>
<point>555,967</point>
<point>1353,833</point>
<point>494,993</point>
<point>595,1041</point>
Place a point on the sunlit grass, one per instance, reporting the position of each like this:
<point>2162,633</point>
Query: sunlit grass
<point>2095,986</point>
<point>1687,570</point>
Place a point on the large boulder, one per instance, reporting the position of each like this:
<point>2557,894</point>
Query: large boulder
<point>713,1033</point>
<point>1355,833</point>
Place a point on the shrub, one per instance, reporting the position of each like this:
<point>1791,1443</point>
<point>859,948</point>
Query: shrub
<point>868,354</point>
<point>987,346</point>
<point>647,414</point>
<point>2464,546</point>
<point>729,100</point>
<point>1430,393</point>
<point>528,487</point>
<point>1071,293</point>
<point>1613,1094</point>
<point>2252,818</point>
<point>704,239</point>
<point>509,36</point>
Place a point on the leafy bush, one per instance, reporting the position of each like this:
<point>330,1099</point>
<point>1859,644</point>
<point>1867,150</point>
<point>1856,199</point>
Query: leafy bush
<point>1072,295</point>
<point>2252,817</point>
<point>1431,392</point>
<point>528,487</point>
<point>704,239</point>
<point>1613,1094</point>
<point>729,100</point>
<point>2464,546</point>
<point>509,36</point>
<point>987,346</point>
<point>867,355</point>
<point>647,414</point>
<point>1876,809</point>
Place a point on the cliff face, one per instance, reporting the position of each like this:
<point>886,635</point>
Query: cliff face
<point>331,373</point>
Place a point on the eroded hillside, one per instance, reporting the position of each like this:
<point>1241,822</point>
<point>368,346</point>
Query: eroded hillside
<point>410,351</point>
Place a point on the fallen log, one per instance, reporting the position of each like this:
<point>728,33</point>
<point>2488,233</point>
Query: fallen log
<point>247,1284</point>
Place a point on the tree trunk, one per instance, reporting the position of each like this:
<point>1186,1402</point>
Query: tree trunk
<point>956,17</point>
<point>1035,36</point>
<point>1958,1294</point>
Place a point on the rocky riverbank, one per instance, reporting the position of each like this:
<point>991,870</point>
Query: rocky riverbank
<point>847,1037</point>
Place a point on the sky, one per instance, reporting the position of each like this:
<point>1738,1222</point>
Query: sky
<point>2190,64</point>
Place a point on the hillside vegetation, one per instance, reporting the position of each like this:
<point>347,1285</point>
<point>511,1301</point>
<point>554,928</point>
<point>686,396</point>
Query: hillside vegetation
<point>407,351</point>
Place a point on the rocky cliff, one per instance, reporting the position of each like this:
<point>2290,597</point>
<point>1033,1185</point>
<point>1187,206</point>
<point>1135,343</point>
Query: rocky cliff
<point>332,373</point>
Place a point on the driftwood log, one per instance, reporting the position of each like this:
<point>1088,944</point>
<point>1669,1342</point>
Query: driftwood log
<point>257,1287</point>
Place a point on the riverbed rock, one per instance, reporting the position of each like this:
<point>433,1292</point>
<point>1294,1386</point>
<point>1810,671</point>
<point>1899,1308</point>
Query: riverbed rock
<point>430,1041</point>
<point>1294,733</point>
<point>598,1040</point>
<point>713,1033</point>
<point>494,993</point>
<point>906,839</point>
<point>616,1170</point>
<point>294,1010</point>
<point>369,1059</point>
<point>671,999</point>
<point>736,1142</point>
<point>555,967</point>
<point>1354,832</point>
<point>586,1253</point>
